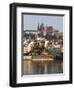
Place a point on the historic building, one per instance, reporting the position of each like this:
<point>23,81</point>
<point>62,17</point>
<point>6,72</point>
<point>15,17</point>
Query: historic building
<point>45,29</point>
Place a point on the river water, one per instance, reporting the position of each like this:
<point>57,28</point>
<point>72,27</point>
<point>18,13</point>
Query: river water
<point>42,67</point>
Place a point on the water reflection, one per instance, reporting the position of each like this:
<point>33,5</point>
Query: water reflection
<point>42,67</point>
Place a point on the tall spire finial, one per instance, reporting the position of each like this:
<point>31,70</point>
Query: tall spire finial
<point>38,28</point>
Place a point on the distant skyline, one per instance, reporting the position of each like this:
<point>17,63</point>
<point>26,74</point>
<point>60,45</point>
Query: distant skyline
<point>30,22</point>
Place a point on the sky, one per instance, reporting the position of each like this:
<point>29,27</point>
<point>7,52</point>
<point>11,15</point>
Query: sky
<point>30,22</point>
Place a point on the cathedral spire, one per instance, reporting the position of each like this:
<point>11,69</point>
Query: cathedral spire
<point>38,28</point>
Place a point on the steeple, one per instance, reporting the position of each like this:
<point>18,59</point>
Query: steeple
<point>38,28</point>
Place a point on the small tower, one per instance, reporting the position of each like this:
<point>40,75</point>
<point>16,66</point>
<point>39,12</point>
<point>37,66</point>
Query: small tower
<point>38,27</point>
<point>45,30</point>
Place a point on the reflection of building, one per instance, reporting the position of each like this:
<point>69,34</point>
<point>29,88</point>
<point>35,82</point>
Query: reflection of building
<point>43,66</point>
